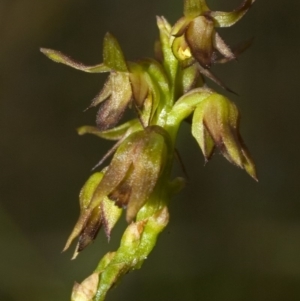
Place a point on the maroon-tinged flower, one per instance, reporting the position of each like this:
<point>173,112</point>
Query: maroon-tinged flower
<point>130,84</point>
<point>135,170</point>
<point>216,124</point>
<point>105,214</point>
<point>195,35</point>
<point>127,182</point>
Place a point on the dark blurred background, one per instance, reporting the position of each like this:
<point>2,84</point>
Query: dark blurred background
<point>229,237</point>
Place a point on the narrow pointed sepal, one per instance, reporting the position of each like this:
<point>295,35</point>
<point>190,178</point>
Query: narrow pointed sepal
<point>110,215</point>
<point>237,51</point>
<point>201,134</point>
<point>227,19</point>
<point>59,57</point>
<point>115,133</point>
<point>222,47</point>
<point>87,191</point>
<point>87,217</point>
<point>208,73</point>
<point>104,94</point>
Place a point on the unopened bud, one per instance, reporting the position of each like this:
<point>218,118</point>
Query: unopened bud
<point>86,290</point>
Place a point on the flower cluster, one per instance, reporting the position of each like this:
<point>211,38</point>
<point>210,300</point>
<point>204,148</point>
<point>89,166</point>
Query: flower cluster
<point>163,92</point>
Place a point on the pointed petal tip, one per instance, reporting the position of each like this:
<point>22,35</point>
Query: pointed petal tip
<point>75,254</point>
<point>205,161</point>
<point>253,175</point>
<point>86,108</point>
<point>43,50</point>
<point>250,168</point>
<point>67,245</point>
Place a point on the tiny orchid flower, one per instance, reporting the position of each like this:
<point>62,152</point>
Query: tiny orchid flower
<point>195,35</point>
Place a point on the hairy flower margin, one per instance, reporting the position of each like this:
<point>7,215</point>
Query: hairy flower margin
<point>163,92</point>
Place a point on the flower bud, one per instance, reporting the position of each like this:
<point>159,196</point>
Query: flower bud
<point>86,290</point>
<point>133,234</point>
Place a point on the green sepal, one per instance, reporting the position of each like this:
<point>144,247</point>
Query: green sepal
<point>157,73</point>
<point>110,215</point>
<point>200,133</point>
<point>194,8</point>
<point>59,57</point>
<point>112,54</point>
<point>151,102</point>
<point>189,78</point>
<point>104,94</point>
<point>116,133</point>
<point>180,26</point>
<point>88,189</point>
<point>227,19</point>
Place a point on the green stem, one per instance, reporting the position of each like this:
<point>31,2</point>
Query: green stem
<point>136,244</point>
